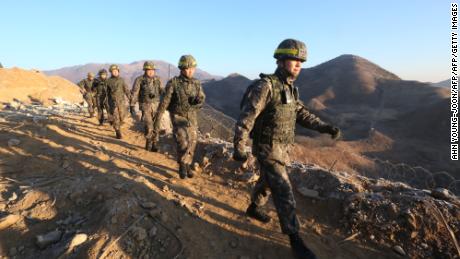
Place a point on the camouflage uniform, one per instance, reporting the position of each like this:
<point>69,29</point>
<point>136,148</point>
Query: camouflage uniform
<point>116,88</point>
<point>147,91</point>
<point>100,96</point>
<point>270,110</point>
<point>183,97</point>
<point>86,86</point>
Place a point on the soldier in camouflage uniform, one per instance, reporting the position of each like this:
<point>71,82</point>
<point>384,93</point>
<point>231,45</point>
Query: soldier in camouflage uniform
<point>86,86</point>
<point>270,110</point>
<point>147,90</point>
<point>100,96</point>
<point>116,89</point>
<point>183,98</point>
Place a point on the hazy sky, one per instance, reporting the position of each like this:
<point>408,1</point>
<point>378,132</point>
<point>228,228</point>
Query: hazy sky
<point>409,38</point>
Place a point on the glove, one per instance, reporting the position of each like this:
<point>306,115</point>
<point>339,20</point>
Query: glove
<point>132,111</point>
<point>333,131</point>
<point>151,96</point>
<point>240,155</point>
<point>194,100</point>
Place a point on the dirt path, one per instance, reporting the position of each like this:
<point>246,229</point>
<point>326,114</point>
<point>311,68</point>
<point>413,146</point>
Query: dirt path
<point>71,175</point>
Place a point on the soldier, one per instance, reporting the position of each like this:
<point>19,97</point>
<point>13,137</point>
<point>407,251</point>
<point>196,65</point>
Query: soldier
<point>116,87</point>
<point>100,94</point>
<point>183,98</point>
<point>147,90</point>
<point>86,86</point>
<point>269,111</point>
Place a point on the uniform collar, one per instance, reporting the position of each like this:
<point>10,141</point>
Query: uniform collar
<point>284,76</point>
<point>184,78</point>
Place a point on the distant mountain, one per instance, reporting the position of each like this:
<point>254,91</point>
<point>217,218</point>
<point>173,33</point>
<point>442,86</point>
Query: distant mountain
<point>225,95</point>
<point>445,83</point>
<point>348,90</point>
<point>127,71</point>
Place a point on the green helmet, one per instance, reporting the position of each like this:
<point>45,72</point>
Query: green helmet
<point>102,71</point>
<point>149,65</point>
<point>90,74</point>
<point>114,67</point>
<point>187,61</point>
<point>291,49</point>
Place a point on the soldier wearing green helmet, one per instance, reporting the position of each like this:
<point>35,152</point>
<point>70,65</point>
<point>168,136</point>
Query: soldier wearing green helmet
<point>86,86</point>
<point>100,96</point>
<point>147,91</point>
<point>270,110</point>
<point>116,89</point>
<point>183,97</point>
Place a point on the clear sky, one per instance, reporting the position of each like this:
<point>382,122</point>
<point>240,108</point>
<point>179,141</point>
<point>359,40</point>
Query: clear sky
<point>410,38</point>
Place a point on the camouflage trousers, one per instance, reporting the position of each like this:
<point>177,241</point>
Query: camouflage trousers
<point>185,134</point>
<point>274,178</point>
<point>101,104</point>
<point>91,101</point>
<point>117,112</point>
<point>148,117</point>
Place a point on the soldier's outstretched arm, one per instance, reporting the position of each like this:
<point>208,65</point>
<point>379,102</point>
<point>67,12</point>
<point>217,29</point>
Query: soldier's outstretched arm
<point>169,89</point>
<point>258,97</point>
<point>126,90</point>
<point>310,121</point>
<point>135,92</point>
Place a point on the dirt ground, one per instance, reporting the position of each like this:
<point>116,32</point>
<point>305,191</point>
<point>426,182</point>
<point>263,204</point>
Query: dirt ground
<point>68,175</point>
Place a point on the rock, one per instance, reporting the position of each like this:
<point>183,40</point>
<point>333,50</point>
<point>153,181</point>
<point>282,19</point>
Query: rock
<point>77,240</point>
<point>148,205</point>
<point>43,241</point>
<point>13,142</point>
<point>442,193</point>
<point>309,193</point>
<point>399,250</point>
<point>9,220</point>
<point>153,231</point>
<point>139,233</point>
<point>13,197</point>
<point>155,212</point>
<point>197,168</point>
<point>205,162</point>
<point>165,188</point>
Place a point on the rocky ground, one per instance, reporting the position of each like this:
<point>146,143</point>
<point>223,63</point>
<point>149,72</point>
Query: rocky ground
<point>69,189</point>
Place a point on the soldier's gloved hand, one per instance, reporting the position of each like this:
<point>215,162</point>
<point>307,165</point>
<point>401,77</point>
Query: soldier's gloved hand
<point>333,131</point>
<point>239,154</point>
<point>194,100</point>
<point>152,96</point>
<point>132,111</point>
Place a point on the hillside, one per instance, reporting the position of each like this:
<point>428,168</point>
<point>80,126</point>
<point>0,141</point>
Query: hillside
<point>33,86</point>
<point>128,71</point>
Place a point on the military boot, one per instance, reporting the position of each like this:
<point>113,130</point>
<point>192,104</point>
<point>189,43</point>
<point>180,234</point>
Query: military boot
<point>190,172</point>
<point>148,145</point>
<point>183,168</point>
<point>300,250</point>
<point>101,122</point>
<point>154,147</point>
<point>256,213</point>
<point>118,133</point>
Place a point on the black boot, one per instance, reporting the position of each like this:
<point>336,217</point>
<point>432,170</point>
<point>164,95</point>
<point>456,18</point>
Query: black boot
<point>101,122</point>
<point>118,133</point>
<point>256,213</point>
<point>183,168</point>
<point>148,145</point>
<point>190,172</point>
<point>154,147</point>
<point>300,250</point>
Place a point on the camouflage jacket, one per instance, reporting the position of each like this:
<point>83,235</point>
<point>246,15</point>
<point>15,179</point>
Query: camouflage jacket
<point>146,90</point>
<point>100,87</point>
<point>183,97</point>
<point>116,88</point>
<point>86,85</point>
<point>269,111</point>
